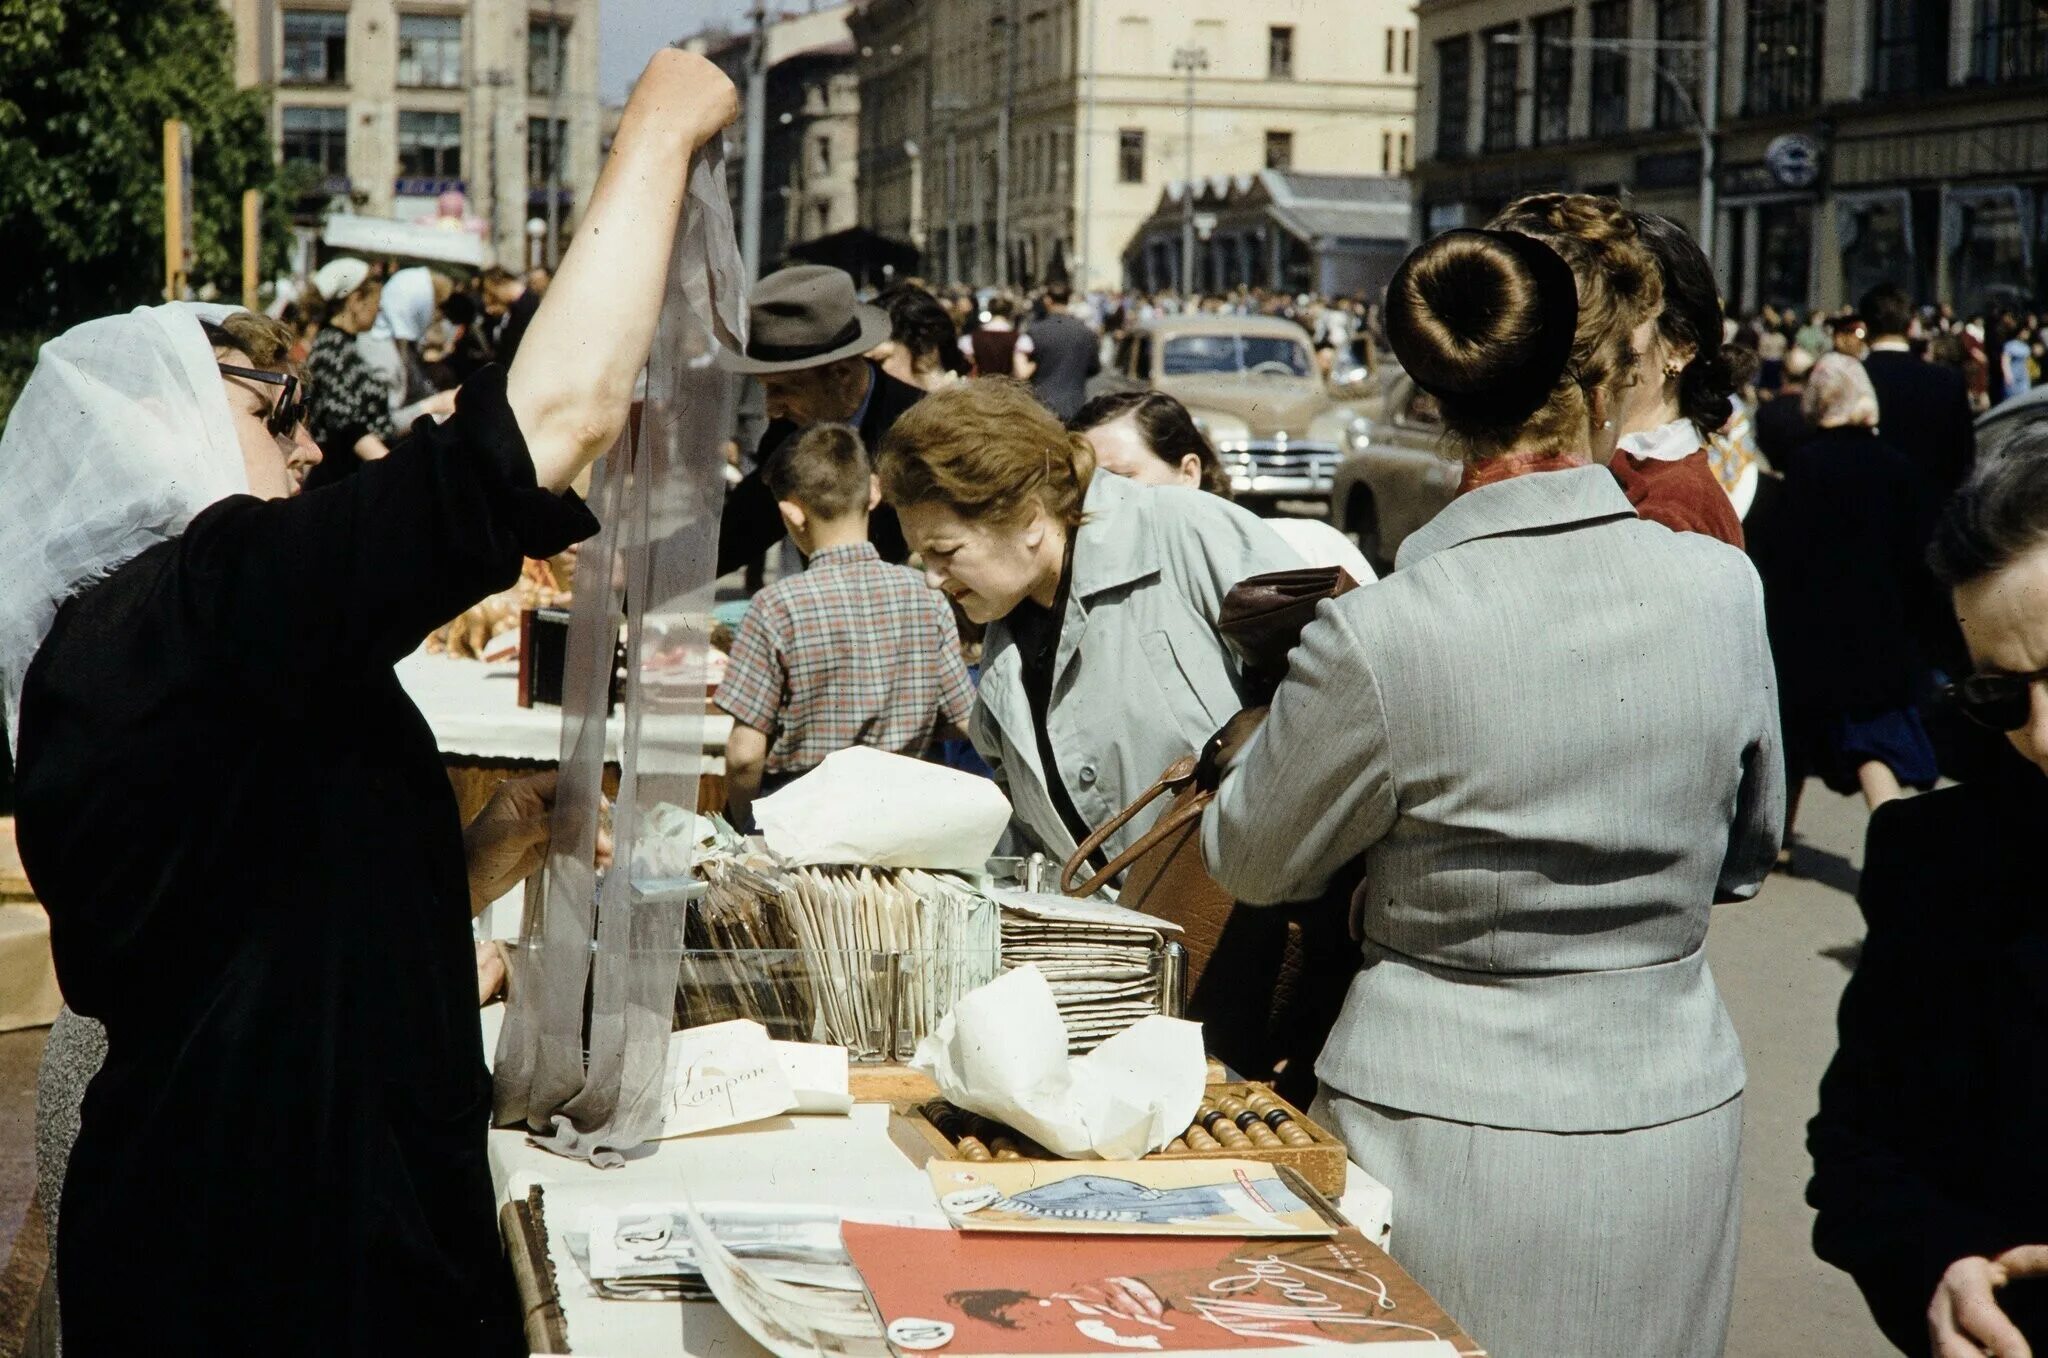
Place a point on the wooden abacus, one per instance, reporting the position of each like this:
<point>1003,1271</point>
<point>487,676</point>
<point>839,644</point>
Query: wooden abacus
<point>1236,1121</point>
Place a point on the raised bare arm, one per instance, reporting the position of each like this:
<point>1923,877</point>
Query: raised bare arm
<point>572,383</point>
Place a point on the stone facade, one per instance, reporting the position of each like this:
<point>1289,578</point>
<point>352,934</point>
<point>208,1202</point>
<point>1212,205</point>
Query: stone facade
<point>1881,140</point>
<point>398,101</point>
<point>1098,122</point>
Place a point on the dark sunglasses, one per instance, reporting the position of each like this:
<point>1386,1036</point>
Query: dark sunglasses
<point>1999,702</point>
<point>289,410</point>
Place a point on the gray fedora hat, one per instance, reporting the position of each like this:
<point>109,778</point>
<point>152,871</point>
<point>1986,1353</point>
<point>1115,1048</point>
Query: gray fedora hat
<point>805,317</point>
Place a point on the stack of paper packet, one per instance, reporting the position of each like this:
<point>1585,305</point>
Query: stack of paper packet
<point>1101,960</point>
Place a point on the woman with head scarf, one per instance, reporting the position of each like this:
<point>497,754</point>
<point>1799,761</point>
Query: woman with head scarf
<point>347,412</point>
<point>1517,732</point>
<point>1852,525</point>
<point>239,824</point>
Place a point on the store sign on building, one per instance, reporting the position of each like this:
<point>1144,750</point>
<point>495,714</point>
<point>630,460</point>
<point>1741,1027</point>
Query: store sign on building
<point>428,188</point>
<point>1793,160</point>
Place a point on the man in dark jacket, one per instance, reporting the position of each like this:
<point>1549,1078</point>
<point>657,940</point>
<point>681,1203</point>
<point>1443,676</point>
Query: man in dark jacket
<point>1923,408</point>
<point>807,340</point>
<point>1064,354</point>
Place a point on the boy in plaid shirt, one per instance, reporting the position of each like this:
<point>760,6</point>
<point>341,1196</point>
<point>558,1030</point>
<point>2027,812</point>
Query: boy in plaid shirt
<point>852,652</point>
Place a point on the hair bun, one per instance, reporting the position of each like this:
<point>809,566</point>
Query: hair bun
<point>1489,314</point>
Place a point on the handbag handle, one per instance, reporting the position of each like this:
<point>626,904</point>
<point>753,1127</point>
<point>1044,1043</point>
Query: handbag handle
<point>1175,780</point>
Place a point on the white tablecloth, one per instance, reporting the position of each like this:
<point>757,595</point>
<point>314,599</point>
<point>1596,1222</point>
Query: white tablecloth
<point>849,1163</point>
<point>474,711</point>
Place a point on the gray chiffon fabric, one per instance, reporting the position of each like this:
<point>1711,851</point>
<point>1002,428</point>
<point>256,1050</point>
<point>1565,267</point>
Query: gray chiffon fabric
<point>71,1057</point>
<point>591,1089</point>
<point>1593,1244</point>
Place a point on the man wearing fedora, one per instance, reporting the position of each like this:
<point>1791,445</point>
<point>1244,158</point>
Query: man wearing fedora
<point>807,340</point>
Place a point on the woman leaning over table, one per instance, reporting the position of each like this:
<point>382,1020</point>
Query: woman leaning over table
<point>1102,664</point>
<point>1551,734</point>
<point>238,823</point>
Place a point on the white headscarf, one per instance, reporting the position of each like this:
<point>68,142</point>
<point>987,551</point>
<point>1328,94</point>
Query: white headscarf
<point>120,437</point>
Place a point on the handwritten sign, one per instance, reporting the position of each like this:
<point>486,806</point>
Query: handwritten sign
<point>724,1074</point>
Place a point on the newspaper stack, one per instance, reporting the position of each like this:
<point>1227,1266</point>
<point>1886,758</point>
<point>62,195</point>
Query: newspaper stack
<point>864,958</point>
<point>1101,960</point>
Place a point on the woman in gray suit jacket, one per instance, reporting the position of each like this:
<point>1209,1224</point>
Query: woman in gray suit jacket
<point>1102,664</point>
<point>1551,732</point>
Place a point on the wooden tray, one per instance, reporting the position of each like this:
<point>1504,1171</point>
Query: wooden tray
<point>1322,1164</point>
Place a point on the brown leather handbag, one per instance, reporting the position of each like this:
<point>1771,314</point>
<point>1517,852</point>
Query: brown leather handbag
<point>1247,968</point>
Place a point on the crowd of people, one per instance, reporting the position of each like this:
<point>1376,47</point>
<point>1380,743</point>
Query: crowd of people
<point>1684,568</point>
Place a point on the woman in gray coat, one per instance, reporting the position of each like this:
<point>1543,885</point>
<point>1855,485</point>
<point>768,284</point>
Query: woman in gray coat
<point>1552,734</point>
<point>1102,664</point>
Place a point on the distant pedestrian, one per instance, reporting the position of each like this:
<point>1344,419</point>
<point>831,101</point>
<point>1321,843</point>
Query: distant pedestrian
<point>995,347</point>
<point>1063,354</point>
<point>1850,662</point>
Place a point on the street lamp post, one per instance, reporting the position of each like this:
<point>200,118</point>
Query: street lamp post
<point>1705,110</point>
<point>1190,61</point>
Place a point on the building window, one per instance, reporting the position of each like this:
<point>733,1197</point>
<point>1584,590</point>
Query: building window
<point>1407,51</point>
<point>1404,154</point>
<point>1279,150</point>
<point>1386,153</point>
<point>2010,42</point>
<point>430,51</point>
<point>1391,40</point>
<point>1553,36</point>
<point>1503,69</point>
<point>542,150</point>
<point>430,145</point>
<point>1784,55</point>
<point>824,155</point>
<point>315,47</point>
<point>316,137</point>
<point>1678,79</point>
<point>1609,68</point>
<point>1909,46</point>
<point>1130,156</point>
<point>547,56</point>
<point>1453,95</point>
<point>1280,53</point>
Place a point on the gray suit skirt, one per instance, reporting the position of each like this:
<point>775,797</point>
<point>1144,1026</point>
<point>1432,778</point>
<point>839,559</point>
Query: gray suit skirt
<point>1544,1244</point>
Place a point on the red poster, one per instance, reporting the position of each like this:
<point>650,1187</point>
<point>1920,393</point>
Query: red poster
<point>1005,1296</point>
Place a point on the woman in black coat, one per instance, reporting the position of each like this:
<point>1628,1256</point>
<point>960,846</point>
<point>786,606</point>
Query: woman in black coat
<point>1849,532</point>
<point>239,824</point>
<point>1930,1151</point>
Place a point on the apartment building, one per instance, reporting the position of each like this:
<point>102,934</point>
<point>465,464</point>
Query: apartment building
<point>393,105</point>
<point>1853,141</point>
<point>1031,139</point>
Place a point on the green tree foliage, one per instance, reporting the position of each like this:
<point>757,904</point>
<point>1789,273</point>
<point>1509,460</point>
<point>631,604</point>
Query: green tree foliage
<point>85,87</point>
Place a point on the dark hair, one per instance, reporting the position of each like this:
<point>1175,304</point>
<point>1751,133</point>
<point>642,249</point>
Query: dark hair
<point>920,324</point>
<point>1470,312</point>
<point>1888,309</point>
<point>1168,430</point>
<point>1692,317</point>
<point>2001,512</point>
<point>825,471</point>
<point>1059,294</point>
<point>1000,306</point>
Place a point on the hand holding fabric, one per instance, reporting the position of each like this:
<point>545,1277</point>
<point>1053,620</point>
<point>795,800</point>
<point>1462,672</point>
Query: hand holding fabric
<point>508,840</point>
<point>1965,1321</point>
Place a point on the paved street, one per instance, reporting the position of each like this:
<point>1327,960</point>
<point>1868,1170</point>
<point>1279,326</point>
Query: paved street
<point>1781,961</point>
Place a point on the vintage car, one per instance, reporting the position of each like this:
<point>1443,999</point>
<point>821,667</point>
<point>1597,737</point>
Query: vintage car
<point>1253,385</point>
<point>1399,476</point>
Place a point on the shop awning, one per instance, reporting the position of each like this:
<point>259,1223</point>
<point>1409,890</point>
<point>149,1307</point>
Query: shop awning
<point>407,240</point>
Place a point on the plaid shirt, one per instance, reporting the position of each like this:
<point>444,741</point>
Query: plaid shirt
<point>852,652</point>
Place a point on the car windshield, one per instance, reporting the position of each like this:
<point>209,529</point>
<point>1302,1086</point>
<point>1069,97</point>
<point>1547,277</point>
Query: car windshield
<point>1235,354</point>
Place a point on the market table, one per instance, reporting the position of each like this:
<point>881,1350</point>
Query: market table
<point>851,1164</point>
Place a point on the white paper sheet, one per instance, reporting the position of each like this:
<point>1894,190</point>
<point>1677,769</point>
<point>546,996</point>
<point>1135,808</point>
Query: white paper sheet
<point>883,810</point>
<point>722,1075</point>
<point>1002,1052</point>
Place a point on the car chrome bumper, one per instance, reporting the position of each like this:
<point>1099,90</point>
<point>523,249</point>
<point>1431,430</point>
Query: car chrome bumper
<point>1270,467</point>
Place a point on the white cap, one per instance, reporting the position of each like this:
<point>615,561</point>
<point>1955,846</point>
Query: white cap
<point>340,277</point>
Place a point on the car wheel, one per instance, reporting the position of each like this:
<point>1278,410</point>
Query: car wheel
<point>1362,521</point>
